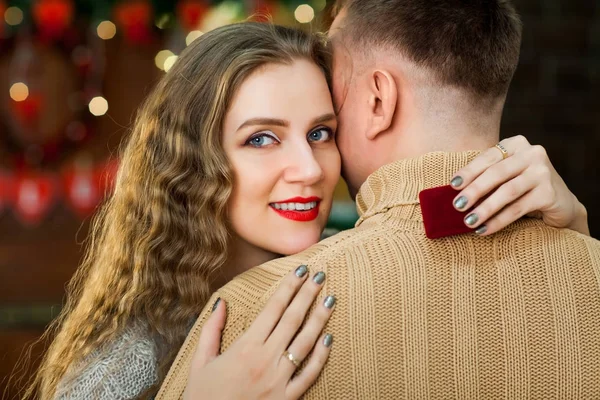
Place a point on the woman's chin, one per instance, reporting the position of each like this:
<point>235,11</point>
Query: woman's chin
<point>296,244</point>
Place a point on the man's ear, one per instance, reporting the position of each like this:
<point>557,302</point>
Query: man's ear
<point>382,102</point>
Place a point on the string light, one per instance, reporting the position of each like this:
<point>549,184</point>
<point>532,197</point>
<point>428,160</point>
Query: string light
<point>304,13</point>
<point>193,35</point>
<point>169,62</point>
<point>161,57</point>
<point>106,30</point>
<point>98,106</point>
<point>13,16</point>
<point>19,91</point>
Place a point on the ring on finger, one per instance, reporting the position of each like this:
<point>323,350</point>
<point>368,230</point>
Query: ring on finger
<point>292,359</point>
<point>502,150</point>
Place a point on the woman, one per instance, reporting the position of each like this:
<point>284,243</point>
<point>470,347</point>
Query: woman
<point>198,200</point>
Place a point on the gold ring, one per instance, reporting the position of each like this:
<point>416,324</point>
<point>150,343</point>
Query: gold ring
<point>502,150</point>
<point>291,357</point>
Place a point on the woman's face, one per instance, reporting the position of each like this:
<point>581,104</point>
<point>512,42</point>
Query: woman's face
<point>279,138</point>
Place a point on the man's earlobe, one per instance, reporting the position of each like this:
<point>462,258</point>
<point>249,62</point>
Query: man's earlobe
<point>382,102</point>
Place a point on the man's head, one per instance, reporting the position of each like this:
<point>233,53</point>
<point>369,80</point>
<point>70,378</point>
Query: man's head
<point>413,76</point>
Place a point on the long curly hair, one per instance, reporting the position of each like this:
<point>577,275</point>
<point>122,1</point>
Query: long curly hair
<point>155,245</point>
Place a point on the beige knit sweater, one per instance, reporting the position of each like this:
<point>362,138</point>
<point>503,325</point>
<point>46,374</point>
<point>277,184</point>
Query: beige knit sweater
<point>512,316</point>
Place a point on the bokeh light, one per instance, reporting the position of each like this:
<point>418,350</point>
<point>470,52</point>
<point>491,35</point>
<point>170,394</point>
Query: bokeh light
<point>161,57</point>
<point>193,35</point>
<point>304,14</point>
<point>19,91</point>
<point>13,16</point>
<point>169,62</point>
<point>98,106</point>
<point>106,30</point>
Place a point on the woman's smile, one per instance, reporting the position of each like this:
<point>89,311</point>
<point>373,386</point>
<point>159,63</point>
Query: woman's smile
<point>298,208</point>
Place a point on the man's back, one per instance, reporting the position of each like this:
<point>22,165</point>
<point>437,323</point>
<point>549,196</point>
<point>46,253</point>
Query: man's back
<point>513,315</point>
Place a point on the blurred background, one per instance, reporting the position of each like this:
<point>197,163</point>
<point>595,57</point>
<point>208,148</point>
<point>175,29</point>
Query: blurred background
<point>72,74</point>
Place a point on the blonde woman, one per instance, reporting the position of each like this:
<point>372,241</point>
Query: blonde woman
<point>232,162</point>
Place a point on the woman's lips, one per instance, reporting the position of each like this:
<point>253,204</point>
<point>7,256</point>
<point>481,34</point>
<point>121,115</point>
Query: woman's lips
<point>298,213</point>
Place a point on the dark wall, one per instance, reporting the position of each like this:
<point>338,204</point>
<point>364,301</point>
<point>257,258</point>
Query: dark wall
<point>553,100</point>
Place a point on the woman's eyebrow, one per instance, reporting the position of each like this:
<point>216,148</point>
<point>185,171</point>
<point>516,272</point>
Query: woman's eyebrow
<point>281,122</point>
<point>264,121</point>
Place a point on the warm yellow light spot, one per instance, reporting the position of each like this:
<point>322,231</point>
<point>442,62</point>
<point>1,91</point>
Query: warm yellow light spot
<point>304,13</point>
<point>169,62</point>
<point>161,57</point>
<point>19,91</point>
<point>163,21</point>
<point>193,35</point>
<point>13,16</point>
<point>98,106</point>
<point>106,30</point>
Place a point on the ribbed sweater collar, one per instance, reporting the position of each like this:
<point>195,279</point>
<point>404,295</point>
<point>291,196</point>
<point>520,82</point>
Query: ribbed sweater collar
<point>399,183</point>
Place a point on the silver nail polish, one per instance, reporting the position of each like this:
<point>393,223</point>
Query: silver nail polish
<point>301,271</point>
<point>471,219</point>
<point>216,305</point>
<point>481,230</point>
<point>456,181</point>
<point>319,278</point>
<point>328,340</point>
<point>329,302</point>
<point>461,202</point>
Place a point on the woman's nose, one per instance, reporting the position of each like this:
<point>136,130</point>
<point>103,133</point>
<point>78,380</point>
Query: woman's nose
<point>302,166</point>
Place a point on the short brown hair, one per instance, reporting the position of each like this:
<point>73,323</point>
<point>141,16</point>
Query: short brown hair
<point>471,44</point>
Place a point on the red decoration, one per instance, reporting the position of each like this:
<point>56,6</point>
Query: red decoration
<point>191,12</point>
<point>134,18</point>
<point>53,17</point>
<point>35,195</point>
<point>6,190</point>
<point>27,111</point>
<point>2,10</point>
<point>82,190</point>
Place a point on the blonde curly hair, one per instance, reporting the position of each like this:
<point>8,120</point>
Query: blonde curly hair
<point>157,242</point>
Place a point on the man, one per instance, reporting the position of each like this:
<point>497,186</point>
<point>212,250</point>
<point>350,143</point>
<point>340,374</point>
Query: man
<point>418,86</point>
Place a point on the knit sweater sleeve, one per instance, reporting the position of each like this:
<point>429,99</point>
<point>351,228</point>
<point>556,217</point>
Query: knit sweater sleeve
<point>122,369</point>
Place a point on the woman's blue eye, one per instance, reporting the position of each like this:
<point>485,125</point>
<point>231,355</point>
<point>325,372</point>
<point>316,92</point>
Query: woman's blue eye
<point>320,135</point>
<point>261,141</point>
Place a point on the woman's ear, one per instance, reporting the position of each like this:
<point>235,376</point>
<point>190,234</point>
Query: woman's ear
<point>382,102</point>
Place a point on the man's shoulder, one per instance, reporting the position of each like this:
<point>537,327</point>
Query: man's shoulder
<point>251,286</point>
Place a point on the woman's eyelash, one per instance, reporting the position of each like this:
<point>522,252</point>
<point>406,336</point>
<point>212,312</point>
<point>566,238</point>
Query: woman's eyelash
<point>260,135</point>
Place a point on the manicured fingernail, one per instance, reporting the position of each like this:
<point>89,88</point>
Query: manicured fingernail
<point>319,278</point>
<point>471,219</point>
<point>481,230</point>
<point>329,302</point>
<point>328,340</point>
<point>301,271</point>
<point>216,305</point>
<point>456,181</point>
<point>461,202</point>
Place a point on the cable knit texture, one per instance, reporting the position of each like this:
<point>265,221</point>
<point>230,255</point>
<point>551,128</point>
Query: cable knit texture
<point>515,315</point>
<point>123,369</point>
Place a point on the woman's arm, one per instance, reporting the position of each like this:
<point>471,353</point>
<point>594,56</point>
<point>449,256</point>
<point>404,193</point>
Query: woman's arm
<point>121,369</point>
<point>525,183</point>
<point>262,363</point>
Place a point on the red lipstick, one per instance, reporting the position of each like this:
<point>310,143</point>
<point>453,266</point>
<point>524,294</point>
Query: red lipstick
<point>298,215</point>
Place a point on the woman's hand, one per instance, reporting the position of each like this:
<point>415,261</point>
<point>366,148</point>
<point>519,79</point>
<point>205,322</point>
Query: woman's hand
<point>524,183</point>
<point>255,366</point>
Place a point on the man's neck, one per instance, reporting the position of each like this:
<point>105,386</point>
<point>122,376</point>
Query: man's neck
<point>448,131</point>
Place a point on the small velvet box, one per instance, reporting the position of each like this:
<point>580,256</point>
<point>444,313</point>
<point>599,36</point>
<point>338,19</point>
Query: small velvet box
<point>439,215</point>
